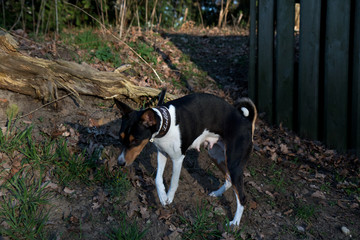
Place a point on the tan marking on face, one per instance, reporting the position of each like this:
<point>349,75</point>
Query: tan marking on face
<point>133,152</point>
<point>131,138</point>
<point>122,135</point>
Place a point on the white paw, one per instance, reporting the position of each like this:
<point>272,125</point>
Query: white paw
<point>170,197</point>
<point>215,194</point>
<point>163,199</point>
<point>235,222</point>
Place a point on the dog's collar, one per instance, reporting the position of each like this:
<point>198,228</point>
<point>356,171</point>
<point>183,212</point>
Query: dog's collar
<point>165,121</point>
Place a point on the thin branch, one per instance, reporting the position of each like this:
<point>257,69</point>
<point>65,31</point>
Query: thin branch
<point>37,109</point>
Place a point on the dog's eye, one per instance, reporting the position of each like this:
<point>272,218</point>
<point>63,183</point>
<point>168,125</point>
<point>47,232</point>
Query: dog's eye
<point>135,142</point>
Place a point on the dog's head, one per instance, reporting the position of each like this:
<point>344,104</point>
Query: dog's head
<point>137,128</point>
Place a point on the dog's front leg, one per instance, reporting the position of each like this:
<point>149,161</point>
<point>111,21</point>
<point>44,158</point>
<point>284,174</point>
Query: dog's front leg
<point>177,165</point>
<point>161,159</point>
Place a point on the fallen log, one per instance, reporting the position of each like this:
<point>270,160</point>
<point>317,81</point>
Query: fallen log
<point>41,78</point>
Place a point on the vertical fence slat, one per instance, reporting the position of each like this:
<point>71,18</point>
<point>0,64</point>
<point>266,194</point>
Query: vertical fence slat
<point>356,82</point>
<point>252,55</point>
<point>284,100</point>
<point>265,57</point>
<point>336,73</point>
<point>310,14</point>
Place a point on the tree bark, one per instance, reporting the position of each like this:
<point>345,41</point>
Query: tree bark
<point>43,78</point>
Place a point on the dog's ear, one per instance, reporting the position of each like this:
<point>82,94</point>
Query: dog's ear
<point>161,97</point>
<point>124,109</point>
<point>148,118</point>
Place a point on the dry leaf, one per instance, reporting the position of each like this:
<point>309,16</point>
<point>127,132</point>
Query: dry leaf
<point>341,204</point>
<point>133,207</point>
<point>288,212</point>
<point>95,205</point>
<point>274,156</point>
<point>284,149</point>
<point>252,205</point>
<point>164,214</point>
<point>52,185</point>
<point>320,175</point>
<point>144,212</point>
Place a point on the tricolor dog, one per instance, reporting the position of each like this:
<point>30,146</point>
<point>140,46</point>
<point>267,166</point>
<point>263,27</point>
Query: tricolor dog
<point>186,123</point>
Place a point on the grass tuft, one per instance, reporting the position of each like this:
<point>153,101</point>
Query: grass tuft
<point>305,212</point>
<point>127,231</point>
<point>23,206</point>
<point>202,226</point>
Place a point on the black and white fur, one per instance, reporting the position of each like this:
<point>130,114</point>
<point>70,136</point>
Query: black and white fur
<point>227,132</point>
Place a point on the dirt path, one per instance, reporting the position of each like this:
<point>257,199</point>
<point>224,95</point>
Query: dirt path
<point>296,189</point>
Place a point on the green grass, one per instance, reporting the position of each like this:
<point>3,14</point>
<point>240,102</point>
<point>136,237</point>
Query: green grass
<point>114,182</point>
<point>325,187</point>
<point>277,179</point>
<point>94,46</point>
<point>23,207</point>
<point>252,171</point>
<point>11,139</point>
<point>70,167</point>
<point>127,231</point>
<point>145,51</point>
<point>305,212</point>
<point>202,226</point>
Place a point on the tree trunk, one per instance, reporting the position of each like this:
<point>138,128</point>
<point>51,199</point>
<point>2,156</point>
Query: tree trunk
<point>42,78</point>
<point>224,21</point>
<point>221,14</point>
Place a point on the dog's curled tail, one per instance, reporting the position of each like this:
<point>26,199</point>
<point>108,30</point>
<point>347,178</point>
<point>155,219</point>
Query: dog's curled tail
<point>248,109</point>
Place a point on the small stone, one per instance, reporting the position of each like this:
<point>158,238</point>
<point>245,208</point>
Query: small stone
<point>345,230</point>
<point>219,210</point>
<point>318,194</point>
<point>66,134</point>
<point>300,228</point>
<point>68,190</point>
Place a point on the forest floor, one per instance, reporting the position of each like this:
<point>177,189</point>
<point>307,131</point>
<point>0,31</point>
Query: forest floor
<point>65,155</point>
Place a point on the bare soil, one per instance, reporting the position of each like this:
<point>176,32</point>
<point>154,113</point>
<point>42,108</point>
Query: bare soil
<point>296,188</point>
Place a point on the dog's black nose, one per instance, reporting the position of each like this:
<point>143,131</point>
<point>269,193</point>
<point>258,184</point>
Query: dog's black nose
<point>121,159</point>
<point>121,163</point>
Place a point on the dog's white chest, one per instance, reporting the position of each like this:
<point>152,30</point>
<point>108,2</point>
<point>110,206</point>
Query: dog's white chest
<point>170,143</point>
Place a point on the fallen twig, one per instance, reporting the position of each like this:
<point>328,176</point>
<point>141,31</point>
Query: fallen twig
<point>37,109</point>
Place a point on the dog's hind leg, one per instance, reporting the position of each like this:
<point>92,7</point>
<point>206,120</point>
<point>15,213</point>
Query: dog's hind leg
<point>239,211</point>
<point>221,190</point>
<point>217,154</point>
<point>236,161</point>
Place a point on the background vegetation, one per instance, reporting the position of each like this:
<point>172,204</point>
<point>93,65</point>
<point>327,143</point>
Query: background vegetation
<point>44,16</point>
